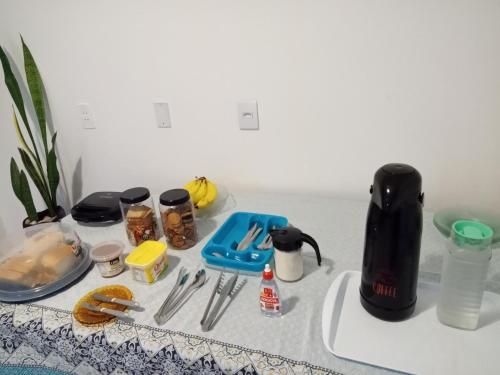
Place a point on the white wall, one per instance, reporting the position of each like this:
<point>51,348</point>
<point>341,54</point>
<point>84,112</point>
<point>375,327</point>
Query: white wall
<point>343,87</point>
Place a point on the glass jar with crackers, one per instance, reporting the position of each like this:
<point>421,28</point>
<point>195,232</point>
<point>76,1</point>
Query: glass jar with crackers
<point>177,216</point>
<point>138,215</point>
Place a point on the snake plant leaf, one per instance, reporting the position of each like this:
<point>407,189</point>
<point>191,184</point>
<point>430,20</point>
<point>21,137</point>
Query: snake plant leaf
<point>35,86</point>
<point>15,91</point>
<point>15,178</point>
<point>37,180</point>
<point>22,189</point>
<point>27,198</point>
<point>52,172</point>
<point>20,135</point>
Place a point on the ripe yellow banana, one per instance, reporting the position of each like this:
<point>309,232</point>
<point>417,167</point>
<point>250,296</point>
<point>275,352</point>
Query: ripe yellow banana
<point>211,192</point>
<point>202,203</point>
<point>209,197</point>
<point>202,191</point>
<point>192,187</point>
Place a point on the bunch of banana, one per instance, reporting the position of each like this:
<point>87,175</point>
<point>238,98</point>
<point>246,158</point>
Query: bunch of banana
<point>202,191</point>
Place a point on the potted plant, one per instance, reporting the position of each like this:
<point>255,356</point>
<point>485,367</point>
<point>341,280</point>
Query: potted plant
<point>41,166</point>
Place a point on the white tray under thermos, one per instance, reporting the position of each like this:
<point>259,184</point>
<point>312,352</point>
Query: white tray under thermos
<point>418,345</point>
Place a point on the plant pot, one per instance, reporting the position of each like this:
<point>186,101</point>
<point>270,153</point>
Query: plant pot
<point>60,213</point>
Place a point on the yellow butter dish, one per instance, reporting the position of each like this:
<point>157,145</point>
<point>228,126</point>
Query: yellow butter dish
<point>147,261</point>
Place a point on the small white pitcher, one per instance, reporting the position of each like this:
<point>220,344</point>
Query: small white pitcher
<point>288,258</point>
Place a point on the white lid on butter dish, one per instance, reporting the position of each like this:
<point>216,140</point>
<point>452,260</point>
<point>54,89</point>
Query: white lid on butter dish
<point>106,251</point>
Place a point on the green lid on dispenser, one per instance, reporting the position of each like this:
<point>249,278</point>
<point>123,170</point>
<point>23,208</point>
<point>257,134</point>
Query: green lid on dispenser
<point>471,233</point>
<point>444,221</point>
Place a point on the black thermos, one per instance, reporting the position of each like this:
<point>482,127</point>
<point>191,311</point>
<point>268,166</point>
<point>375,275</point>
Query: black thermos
<point>392,243</point>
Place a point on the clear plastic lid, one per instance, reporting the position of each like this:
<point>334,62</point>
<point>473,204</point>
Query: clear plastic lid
<point>39,261</point>
<point>444,220</point>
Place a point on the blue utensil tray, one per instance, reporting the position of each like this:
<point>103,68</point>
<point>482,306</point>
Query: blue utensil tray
<point>225,241</point>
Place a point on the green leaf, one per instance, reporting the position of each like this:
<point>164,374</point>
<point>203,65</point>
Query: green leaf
<point>27,198</point>
<point>52,174</point>
<point>15,93</point>
<point>35,86</point>
<point>20,135</point>
<point>37,180</point>
<point>15,178</point>
<point>22,189</point>
<point>12,85</point>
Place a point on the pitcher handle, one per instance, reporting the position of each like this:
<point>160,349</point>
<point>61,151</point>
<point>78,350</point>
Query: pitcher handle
<point>311,241</point>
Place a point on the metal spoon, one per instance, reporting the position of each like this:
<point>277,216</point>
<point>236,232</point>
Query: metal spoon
<point>198,281</point>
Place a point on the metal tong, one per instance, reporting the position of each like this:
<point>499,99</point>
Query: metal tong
<point>181,280</point>
<point>230,289</point>
<point>167,312</point>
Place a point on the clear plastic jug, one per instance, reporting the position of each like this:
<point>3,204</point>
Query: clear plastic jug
<point>464,274</point>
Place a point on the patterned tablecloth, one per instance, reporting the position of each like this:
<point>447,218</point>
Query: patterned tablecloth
<point>43,337</point>
<point>34,336</point>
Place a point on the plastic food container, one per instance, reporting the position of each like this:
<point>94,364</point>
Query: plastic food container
<point>138,215</point>
<point>177,216</point>
<point>108,256</point>
<point>147,261</point>
<point>39,261</point>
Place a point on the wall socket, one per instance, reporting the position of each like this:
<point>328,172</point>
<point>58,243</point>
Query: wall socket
<point>86,116</point>
<point>162,112</point>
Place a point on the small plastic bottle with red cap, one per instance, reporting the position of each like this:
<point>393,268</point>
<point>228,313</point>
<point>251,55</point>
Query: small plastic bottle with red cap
<point>270,300</point>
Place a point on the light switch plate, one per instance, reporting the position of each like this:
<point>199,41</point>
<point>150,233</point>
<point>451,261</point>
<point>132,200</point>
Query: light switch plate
<point>248,115</point>
<point>162,112</point>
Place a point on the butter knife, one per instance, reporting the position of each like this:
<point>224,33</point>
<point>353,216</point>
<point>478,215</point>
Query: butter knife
<point>119,301</point>
<point>118,314</point>
<point>245,241</point>
<point>226,290</point>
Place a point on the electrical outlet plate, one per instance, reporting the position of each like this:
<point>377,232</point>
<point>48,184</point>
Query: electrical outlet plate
<point>86,116</point>
<point>248,115</point>
<point>162,112</point>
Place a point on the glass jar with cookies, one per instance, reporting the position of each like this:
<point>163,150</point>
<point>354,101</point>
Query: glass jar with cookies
<point>177,216</point>
<point>138,215</point>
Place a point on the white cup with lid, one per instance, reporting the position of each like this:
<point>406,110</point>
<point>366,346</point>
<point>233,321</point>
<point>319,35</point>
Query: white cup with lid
<point>108,256</point>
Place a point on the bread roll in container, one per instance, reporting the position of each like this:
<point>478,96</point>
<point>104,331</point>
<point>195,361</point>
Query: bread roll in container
<point>40,260</point>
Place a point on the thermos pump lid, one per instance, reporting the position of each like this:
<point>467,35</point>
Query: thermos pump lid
<point>398,169</point>
<point>395,184</point>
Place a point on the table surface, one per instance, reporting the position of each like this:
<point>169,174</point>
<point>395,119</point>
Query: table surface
<point>337,225</point>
